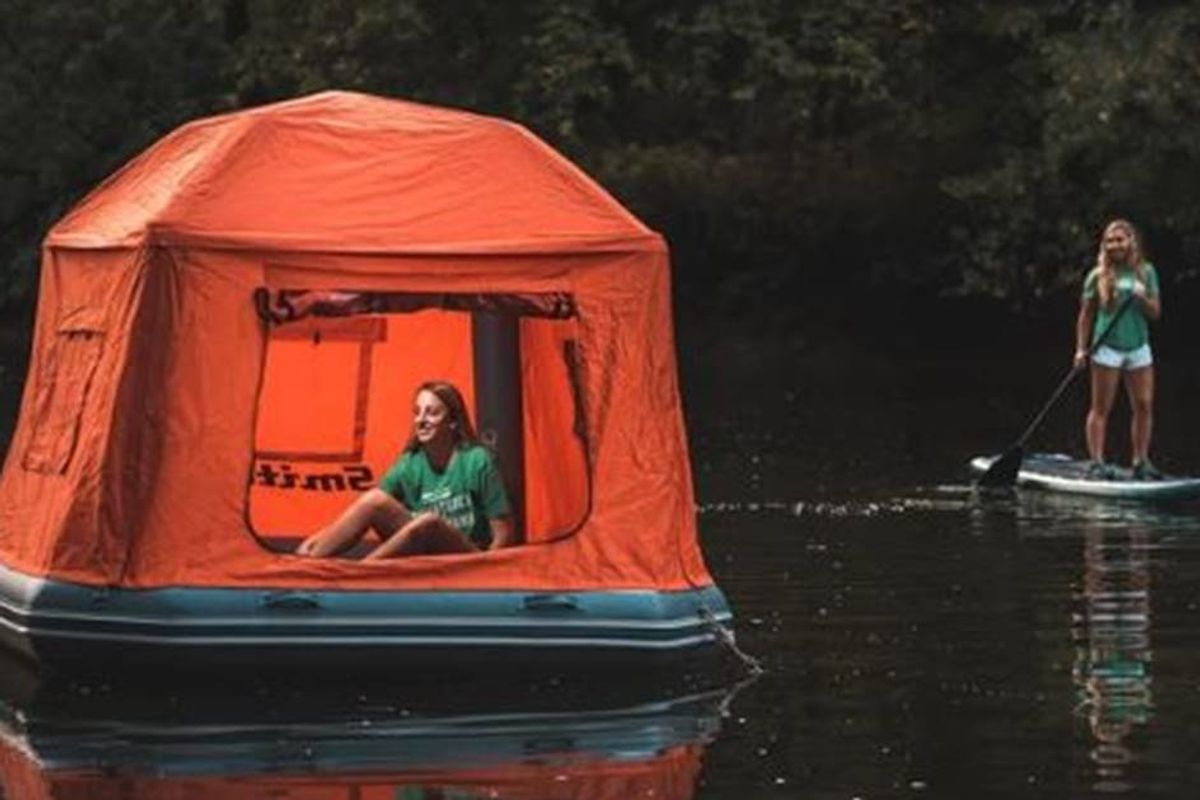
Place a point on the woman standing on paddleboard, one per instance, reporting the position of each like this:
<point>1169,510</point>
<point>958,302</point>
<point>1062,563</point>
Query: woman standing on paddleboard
<point>1123,282</point>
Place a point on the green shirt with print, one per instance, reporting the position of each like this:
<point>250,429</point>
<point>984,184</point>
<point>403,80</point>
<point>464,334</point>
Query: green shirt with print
<point>1132,330</point>
<point>467,493</point>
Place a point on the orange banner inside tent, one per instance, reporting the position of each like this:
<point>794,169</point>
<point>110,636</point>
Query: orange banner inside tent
<point>156,393</point>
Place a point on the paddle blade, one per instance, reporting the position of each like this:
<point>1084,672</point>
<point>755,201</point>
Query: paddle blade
<point>1003,471</point>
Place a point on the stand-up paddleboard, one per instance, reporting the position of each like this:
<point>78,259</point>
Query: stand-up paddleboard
<point>1061,473</point>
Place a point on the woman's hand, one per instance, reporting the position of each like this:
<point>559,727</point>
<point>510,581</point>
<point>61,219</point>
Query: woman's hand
<point>1151,305</point>
<point>321,544</point>
<point>408,537</point>
<point>1081,358</point>
<point>504,532</point>
<point>309,546</point>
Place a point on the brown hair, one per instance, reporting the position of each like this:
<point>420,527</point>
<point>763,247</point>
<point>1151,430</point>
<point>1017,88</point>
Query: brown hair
<point>1107,271</point>
<point>458,419</point>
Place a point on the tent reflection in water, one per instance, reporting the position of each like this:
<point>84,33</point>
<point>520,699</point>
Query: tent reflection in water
<point>670,775</point>
<point>173,444</point>
<point>281,736</point>
<point>647,750</point>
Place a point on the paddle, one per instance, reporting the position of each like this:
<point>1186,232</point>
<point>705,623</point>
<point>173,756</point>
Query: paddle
<point>1003,471</point>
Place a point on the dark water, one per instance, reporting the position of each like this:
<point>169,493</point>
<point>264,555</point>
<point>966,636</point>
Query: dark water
<point>919,640</point>
<point>922,640</point>
<point>938,644</point>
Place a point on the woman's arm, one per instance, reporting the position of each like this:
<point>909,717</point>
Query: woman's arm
<point>1083,331</point>
<point>405,540</point>
<point>1151,306</point>
<point>373,509</point>
<point>504,532</point>
<point>428,533</point>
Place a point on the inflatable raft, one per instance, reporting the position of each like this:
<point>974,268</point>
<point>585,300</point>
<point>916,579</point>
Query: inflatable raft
<point>176,441</point>
<point>71,623</point>
<point>1061,473</point>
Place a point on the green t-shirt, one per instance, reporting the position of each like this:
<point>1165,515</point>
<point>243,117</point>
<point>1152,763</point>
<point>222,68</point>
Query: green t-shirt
<point>467,494</point>
<point>1131,331</point>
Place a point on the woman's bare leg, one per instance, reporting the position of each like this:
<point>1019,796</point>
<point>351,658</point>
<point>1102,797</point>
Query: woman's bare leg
<point>1139,385</point>
<point>424,534</point>
<point>1104,391</point>
<point>373,509</point>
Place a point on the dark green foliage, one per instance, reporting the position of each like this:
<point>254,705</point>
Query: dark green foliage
<point>83,86</point>
<point>969,147</point>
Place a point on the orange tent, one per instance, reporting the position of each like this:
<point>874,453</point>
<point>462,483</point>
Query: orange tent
<point>170,436</point>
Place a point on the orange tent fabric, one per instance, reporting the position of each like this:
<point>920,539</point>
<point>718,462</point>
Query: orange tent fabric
<point>137,460</point>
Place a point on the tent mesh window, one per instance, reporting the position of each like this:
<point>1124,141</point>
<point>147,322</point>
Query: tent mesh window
<point>340,369</point>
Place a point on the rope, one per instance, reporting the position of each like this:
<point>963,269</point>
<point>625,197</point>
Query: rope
<point>723,635</point>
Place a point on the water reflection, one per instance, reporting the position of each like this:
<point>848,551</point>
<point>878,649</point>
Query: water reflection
<point>1111,620</point>
<point>367,741</point>
<point>1113,654</point>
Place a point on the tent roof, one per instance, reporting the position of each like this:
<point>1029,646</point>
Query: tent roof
<point>347,172</point>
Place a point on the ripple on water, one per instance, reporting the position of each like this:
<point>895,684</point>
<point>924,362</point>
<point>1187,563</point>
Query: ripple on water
<point>1040,509</point>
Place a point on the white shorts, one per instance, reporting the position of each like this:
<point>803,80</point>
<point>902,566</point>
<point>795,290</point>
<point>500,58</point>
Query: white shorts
<point>1106,356</point>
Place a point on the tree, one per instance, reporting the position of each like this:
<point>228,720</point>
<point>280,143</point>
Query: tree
<point>82,87</point>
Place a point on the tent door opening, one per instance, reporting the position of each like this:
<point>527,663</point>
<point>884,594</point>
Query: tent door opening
<point>340,370</point>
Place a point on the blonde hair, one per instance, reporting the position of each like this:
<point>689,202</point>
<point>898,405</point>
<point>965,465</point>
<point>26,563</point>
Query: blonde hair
<point>1106,270</point>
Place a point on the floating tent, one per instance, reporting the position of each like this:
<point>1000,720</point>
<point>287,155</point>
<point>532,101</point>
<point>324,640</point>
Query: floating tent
<point>171,436</point>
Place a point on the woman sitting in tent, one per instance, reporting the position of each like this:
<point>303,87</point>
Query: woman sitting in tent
<point>443,495</point>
